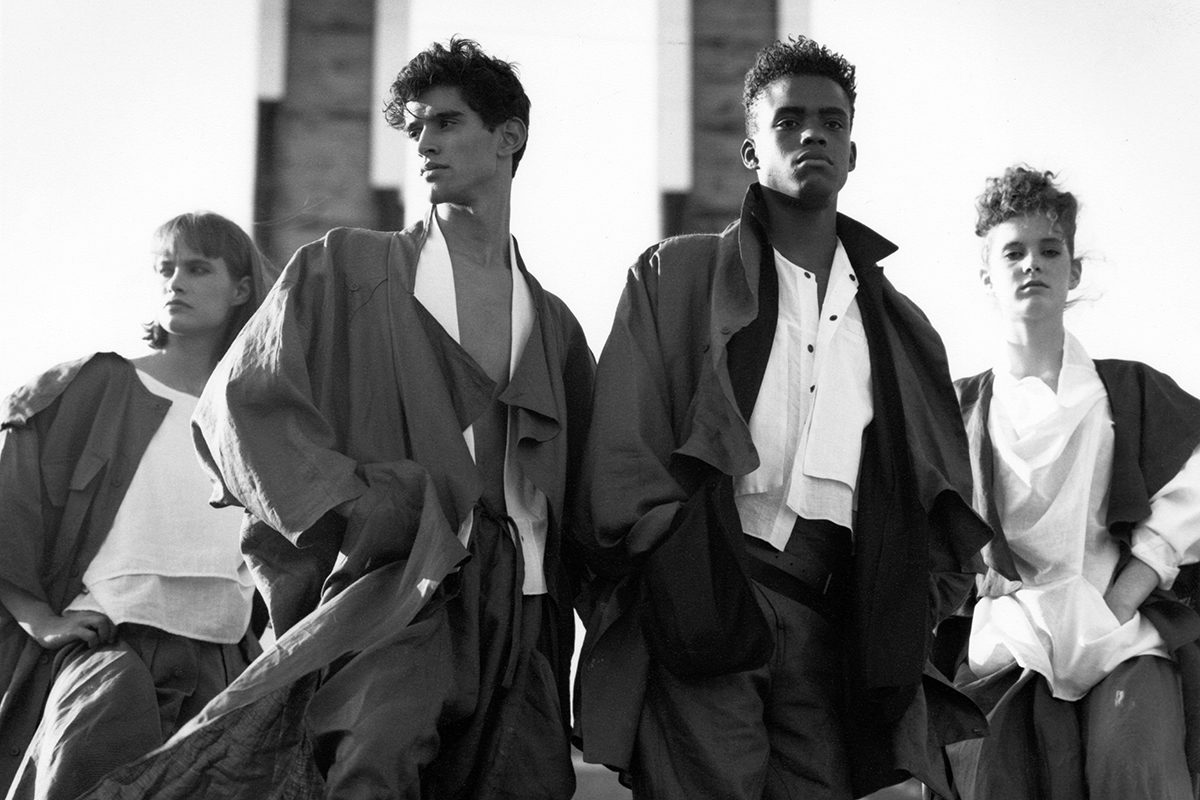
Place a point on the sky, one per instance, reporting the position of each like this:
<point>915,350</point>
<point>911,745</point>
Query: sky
<point>116,116</point>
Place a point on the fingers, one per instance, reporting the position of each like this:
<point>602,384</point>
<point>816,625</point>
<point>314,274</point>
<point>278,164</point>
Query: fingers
<point>88,635</point>
<point>105,630</point>
<point>91,628</point>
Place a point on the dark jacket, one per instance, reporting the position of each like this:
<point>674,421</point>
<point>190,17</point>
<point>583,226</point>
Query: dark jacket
<point>72,440</point>
<point>664,400</point>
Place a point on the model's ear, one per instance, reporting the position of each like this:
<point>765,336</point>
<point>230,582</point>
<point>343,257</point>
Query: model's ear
<point>749,159</point>
<point>985,276</point>
<point>242,293</point>
<point>1076,273</point>
<point>853,156</point>
<point>513,135</point>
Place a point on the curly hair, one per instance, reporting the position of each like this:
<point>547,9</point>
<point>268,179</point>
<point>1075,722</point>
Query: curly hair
<point>213,236</point>
<point>490,87</point>
<point>797,56</point>
<point>1021,191</point>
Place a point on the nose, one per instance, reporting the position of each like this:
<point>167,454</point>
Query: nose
<point>173,282</point>
<point>1031,265</point>
<point>813,134</point>
<point>426,143</point>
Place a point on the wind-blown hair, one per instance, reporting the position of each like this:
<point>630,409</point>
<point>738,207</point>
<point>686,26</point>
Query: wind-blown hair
<point>214,236</point>
<point>797,56</point>
<point>489,86</point>
<point>1022,191</point>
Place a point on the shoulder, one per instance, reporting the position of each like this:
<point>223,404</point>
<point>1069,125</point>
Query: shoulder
<point>1125,369</point>
<point>686,253</point>
<point>1124,379</point>
<point>970,389</point>
<point>83,375</point>
<point>558,319</point>
<point>355,254</point>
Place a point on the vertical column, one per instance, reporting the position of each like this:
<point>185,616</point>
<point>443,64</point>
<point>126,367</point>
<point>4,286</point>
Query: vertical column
<point>725,37</point>
<point>314,156</point>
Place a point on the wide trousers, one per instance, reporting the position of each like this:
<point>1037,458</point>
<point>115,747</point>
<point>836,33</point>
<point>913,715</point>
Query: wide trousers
<point>467,703</point>
<point>1124,740</point>
<point>112,704</point>
<point>773,732</point>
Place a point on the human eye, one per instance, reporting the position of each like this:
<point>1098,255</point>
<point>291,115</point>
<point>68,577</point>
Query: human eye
<point>446,123</point>
<point>835,124</point>
<point>1052,252</point>
<point>413,132</point>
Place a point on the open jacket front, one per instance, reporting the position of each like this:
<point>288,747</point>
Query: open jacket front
<point>1156,427</point>
<point>664,400</point>
<point>72,440</point>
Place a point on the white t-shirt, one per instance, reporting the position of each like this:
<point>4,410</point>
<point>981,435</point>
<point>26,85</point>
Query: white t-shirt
<point>171,561</point>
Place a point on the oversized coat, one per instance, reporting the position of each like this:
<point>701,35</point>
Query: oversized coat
<point>72,440</point>
<point>344,386</point>
<point>342,368</point>
<point>664,402</point>
<point>1156,428</point>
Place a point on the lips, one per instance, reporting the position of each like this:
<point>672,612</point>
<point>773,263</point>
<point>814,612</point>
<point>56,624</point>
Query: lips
<point>808,158</point>
<point>176,304</point>
<point>1034,285</point>
<point>431,167</point>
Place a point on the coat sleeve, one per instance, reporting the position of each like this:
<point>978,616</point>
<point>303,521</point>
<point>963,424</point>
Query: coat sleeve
<point>258,427</point>
<point>22,525</point>
<point>629,495</point>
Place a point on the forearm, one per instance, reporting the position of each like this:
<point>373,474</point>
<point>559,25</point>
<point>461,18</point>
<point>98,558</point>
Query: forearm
<point>1129,590</point>
<point>31,613</point>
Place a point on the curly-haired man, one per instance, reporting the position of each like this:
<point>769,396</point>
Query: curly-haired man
<point>767,400</point>
<point>408,400</point>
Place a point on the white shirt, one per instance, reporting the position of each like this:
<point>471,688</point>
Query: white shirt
<point>170,560</point>
<point>1053,465</point>
<point>813,406</point>
<point>526,504</point>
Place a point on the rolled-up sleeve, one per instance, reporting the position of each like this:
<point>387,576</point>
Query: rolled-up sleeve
<point>1170,537</point>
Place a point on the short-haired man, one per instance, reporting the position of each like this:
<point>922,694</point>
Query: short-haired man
<point>406,386</point>
<point>773,371</point>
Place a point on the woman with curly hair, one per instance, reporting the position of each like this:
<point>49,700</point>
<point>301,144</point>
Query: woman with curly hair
<point>124,599</point>
<point>1088,472</point>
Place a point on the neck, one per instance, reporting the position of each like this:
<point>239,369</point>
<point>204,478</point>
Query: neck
<point>184,364</point>
<point>1035,350</point>
<point>805,235</point>
<point>479,232</point>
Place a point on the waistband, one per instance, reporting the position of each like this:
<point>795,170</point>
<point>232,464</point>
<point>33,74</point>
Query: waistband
<point>811,570</point>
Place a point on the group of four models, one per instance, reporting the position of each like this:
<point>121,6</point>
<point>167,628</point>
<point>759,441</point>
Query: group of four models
<point>762,501</point>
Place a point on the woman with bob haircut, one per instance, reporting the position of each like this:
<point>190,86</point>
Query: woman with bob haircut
<point>1082,648</point>
<point>124,600</point>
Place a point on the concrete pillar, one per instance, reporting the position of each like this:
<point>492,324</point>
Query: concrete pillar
<point>314,156</point>
<point>725,37</point>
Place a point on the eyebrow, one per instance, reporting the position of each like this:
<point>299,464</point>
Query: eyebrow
<point>185,261</point>
<point>827,111</point>
<point>1043,241</point>
<point>440,115</point>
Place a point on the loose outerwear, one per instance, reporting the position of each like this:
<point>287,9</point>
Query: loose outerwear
<point>1156,428</point>
<point>345,388</point>
<point>72,440</point>
<point>664,402</point>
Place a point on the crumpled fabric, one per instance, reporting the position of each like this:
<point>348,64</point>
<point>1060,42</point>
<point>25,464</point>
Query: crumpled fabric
<point>250,742</point>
